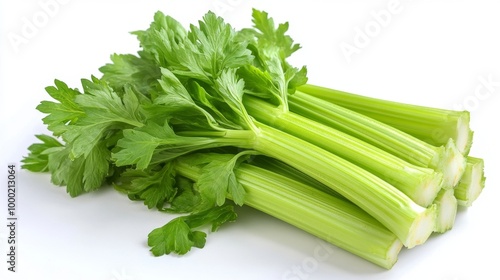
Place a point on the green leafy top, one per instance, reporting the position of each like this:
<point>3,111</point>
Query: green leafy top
<point>179,235</point>
<point>90,124</point>
<point>62,114</point>
<point>271,76</point>
<point>198,92</point>
<point>181,80</point>
<point>182,93</point>
<point>141,73</point>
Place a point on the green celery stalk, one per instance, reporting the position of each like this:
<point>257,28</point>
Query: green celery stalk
<point>286,170</point>
<point>332,219</point>
<point>472,182</point>
<point>445,159</point>
<point>432,125</point>
<point>420,184</point>
<point>446,210</point>
<point>411,222</point>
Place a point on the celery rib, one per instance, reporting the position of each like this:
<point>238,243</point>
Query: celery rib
<point>432,125</point>
<point>286,170</point>
<point>446,204</point>
<point>411,222</point>
<point>420,184</point>
<point>332,219</point>
<point>472,182</point>
<point>445,159</point>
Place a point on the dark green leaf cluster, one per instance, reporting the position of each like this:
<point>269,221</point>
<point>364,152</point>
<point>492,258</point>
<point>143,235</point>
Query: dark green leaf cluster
<point>271,76</point>
<point>179,236</point>
<point>89,124</point>
<point>181,93</point>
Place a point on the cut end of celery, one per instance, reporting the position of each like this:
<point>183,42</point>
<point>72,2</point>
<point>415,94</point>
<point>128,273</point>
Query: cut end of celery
<point>452,165</point>
<point>472,183</point>
<point>446,210</point>
<point>392,255</point>
<point>422,228</point>
<point>463,139</point>
<point>429,189</point>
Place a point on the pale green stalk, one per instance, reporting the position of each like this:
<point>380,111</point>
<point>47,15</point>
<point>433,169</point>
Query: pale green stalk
<point>445,159</point>
<point>286,170</point>
<point>419,183</point>
<point>446,210</point>
<point>472,182</point>
<point>332,219</point>
<point>411,222</point>
<point>432,125</point>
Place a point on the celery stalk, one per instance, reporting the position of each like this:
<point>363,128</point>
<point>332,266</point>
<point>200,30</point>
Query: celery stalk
<point>420,184</point>
<point>446,210</point>
<point>411,222</point>
<point>472,182</point>
<point>286,170</point>
<point>432,125</point>
<point>337,221</point>
<point>445,159</point>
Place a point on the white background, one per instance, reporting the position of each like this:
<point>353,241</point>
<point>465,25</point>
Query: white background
<point>431,53</point>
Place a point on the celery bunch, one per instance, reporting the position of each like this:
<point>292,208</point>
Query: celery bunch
<point>208,118</point>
